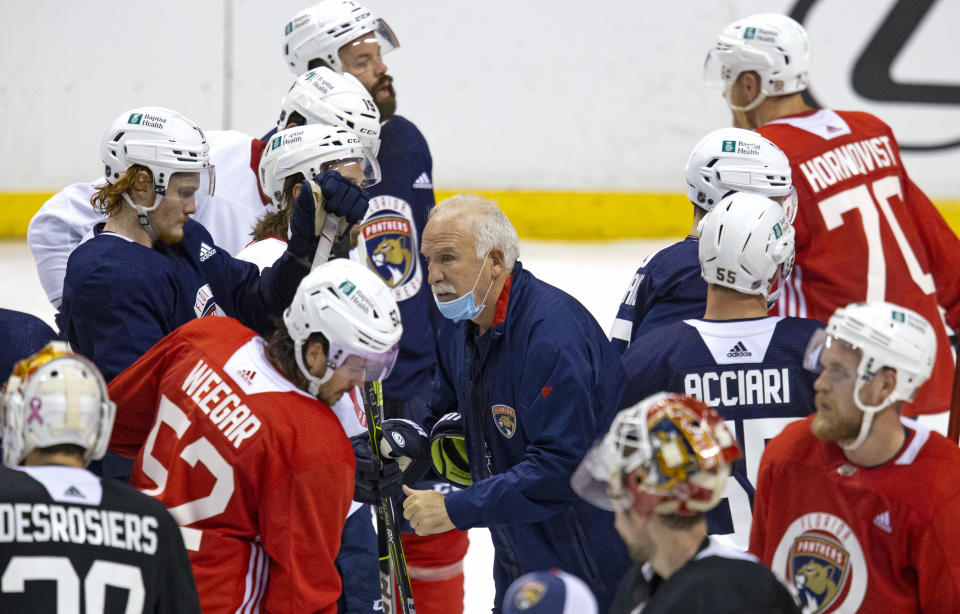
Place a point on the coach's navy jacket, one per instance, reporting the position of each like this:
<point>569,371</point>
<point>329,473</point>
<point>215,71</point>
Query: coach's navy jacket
<point>535,391</point>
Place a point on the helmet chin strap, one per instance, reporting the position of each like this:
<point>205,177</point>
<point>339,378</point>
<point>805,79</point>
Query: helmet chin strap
<point>868,413</point>
<point>314,382</point>
<point>142,214</point>
<point>748,107</point>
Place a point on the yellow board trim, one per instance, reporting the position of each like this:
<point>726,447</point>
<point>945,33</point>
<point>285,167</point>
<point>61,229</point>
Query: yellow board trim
<point>555,216</point>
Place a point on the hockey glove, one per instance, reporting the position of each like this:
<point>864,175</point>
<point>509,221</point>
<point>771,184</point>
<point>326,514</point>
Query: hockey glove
<point>341,197</point>
<point>371,483</point>
<point>449,450</point>
<point>302,235</point>
<point>403,441</point>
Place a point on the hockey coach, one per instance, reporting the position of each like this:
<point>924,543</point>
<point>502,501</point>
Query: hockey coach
<point>536,383</point>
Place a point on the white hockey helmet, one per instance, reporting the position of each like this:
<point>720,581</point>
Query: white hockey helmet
<point>318,32</point>
<point>311,150</point>
<point>886,335</point>
<point>355,311</point>
<point>746,243</point>
<point>736,160</point>
<point>53,398</point>
<point>679,447</point>
<point>773,45</point>
<point>322,96</point>
<point>164,141</point>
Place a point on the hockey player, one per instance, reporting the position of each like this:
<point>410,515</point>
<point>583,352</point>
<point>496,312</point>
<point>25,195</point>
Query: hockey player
<point>668,286</point>
<point>152,267</point>
<point>856,505</point>
<point>262,518</point>
<point>662,465</point>
<point>747,365</point>
<point>865,231</point>
<point>73,542</point>
<point>323,96</point>
<point>536,381</point>
<point>347,36</point>
<point>295,153</point>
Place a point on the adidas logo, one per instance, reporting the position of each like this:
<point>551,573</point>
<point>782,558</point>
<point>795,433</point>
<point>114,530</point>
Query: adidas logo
<point>73,491</point>
<point>739,351</point>
<point>206,251</point>
<point>247,375</point>
<point>883,522</point>
<point>423,182</point>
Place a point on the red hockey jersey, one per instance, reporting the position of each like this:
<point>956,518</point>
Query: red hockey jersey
<point>854,539</point>
<point>865,232</point>
<point>258,474</point>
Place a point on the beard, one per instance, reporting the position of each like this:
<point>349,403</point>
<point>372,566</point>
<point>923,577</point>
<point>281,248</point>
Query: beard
<point>385,97</point>
<point>831,425</point>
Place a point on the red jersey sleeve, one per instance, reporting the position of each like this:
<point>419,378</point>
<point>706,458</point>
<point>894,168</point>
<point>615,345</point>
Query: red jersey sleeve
<point>301,521</point>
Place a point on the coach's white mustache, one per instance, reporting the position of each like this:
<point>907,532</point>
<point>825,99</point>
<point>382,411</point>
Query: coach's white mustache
<point>442,287</point>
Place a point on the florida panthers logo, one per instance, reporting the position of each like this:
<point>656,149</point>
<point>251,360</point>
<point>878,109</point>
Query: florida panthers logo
<point>390,242</point>
<point>820,555</point>
<point>529,594</point>
<point>506,420</point>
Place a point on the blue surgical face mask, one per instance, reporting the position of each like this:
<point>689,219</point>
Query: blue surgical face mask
<point>464,307</point>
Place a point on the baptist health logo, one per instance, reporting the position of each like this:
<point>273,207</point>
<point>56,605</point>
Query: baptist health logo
<point>277,140</point>
<point>347,287</point>
<point>729,146</point>
<point>749,33</point>
<point>135,118</point>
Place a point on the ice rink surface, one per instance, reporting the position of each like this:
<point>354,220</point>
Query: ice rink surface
<point>596,273</point>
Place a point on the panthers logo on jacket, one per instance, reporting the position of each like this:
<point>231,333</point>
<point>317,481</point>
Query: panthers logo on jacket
<point>506,420</point>
<point>389,238</point>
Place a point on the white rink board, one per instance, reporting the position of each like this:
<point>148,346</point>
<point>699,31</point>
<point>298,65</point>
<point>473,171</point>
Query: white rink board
<point>578,96</point>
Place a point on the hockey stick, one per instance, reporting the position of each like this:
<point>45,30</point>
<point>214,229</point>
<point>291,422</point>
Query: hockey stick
<point>953,426</point>
<point>326,225</point>
<point>388,531</point>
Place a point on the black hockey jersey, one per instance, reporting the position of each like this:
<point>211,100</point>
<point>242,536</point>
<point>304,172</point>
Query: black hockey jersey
<point>717,580</point>
<point>71,542</point>
<point>749,370</point>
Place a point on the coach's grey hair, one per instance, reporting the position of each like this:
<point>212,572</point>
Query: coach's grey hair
<point>491,228</point>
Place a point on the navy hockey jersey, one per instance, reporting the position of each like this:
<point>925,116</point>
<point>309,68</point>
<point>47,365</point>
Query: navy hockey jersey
<point>749,370</point>
<point>399,206</point>
<point>120,297</point>
<point>21,335</point>
<point>667,288</point>
<point>73,542</point>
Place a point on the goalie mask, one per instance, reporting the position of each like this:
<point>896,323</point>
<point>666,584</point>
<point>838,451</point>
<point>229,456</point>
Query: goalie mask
<point>322,96</point>
<point>775,46</point>
<point>746,243</point>
<point>318,32</point>
<point>54,398</point>
<point>165,142</point>
<point>311,150</point>
<point>678,448</point>
<point>884,335</point>
<point>356,313</point>
<point>735,160</point>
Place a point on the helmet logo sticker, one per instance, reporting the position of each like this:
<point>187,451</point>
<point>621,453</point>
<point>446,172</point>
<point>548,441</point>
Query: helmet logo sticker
<point>397,437</point>
<point>135,118</point>
<point>898,316</point>
<point>277,140</point>
<point>347,287</point>
<point>505,418</point>
<point>529,594</point>
<point>749,33</point>
<point>35,405</point>
<point>729,146</point>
